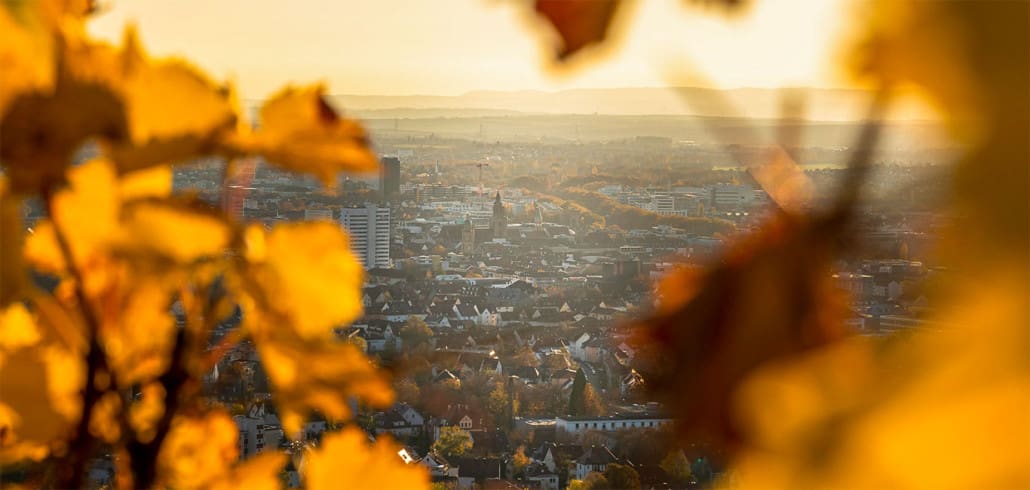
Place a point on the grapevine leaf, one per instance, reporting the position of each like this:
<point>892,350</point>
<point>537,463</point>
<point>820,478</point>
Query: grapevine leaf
<point>305,276</point>
<point>300,131</point>
<point>42,377</point>
<point>156,228</point>
<point>319,375</point>
<point>26,52</point>
<point>258,473</point>
<point>174,111</point>
<point>199,451</point>
<point>347,457</point>
<point>770,299</point>
<point>42,129</point>
<point>137,329</point>
<point>145,412</point>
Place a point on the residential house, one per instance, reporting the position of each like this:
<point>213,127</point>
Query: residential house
<point>594,458</point>
<point>473,471</point>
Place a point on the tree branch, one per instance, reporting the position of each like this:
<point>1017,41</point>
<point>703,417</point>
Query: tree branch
<point>71,470</point>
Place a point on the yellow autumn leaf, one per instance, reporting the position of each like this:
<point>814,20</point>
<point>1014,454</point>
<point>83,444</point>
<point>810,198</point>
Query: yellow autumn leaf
<point>308,279</point>
<point>300,131</point>
<point>146,111</point>
<point>158,228</point>
<point>87,211</point>
<point>150,182</point>
<point>174,111</point>
<point>41,250</point>
<point>198,451</point>
<point>39,399</point>
<point>258,473</point>
<point>104,423</point>
<point>126,213</point>
<point>347,460</point>
<point>138,334</point>
<point>145,412</point>
<point>17,329</point>
<point>26,51</point>
<point>43,129</point>
<point>917,412</point>
<point>319,375</point>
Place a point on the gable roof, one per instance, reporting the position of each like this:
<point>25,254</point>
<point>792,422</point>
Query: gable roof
<point>597,455</point>
<point>478,468</point>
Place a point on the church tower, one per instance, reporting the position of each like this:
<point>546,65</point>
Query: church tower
<point>499,221</point>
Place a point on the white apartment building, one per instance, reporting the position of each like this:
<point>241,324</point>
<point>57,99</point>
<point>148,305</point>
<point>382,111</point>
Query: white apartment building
<point>369,229</point>
<point>578,426</point>
<point>731,196</point>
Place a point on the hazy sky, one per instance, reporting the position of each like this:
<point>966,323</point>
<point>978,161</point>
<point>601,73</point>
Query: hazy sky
<point>455,46</point>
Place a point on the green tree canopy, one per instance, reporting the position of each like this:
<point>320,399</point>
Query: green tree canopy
<point>622,476</point>
<point>677,466</point>
<point>577,398</point>
<point>453,441</point>
<point>415,332</point>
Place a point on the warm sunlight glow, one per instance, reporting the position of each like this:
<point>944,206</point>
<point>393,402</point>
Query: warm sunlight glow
<point>397,46</point>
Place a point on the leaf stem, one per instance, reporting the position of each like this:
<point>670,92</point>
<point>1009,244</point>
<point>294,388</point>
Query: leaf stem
<point>71,471</point>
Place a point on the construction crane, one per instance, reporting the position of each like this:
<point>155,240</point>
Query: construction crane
<point>480,166</point>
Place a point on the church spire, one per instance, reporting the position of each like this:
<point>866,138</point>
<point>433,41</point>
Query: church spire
<point>499,221</point>
<point>498,206</point>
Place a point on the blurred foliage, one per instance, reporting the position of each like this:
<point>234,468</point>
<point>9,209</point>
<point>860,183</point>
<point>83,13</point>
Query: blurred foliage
<point>110,361</point>
<point>756,359</point>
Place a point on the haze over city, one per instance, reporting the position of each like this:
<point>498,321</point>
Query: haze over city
<point>410,47</point>
<point>514,244</point>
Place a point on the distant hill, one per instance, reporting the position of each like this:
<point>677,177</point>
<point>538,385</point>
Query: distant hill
<point>601,127</point>
<point>821,104</point>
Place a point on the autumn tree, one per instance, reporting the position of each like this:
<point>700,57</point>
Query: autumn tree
<point>453,441</point>
<point>406,389</point>
<point>622,476</point>
<point>593,481</point>
<point>677,466</point>
<point>415,332</point>
<point>577,397</point>
<point>519,461</point>
<point>583,400</point>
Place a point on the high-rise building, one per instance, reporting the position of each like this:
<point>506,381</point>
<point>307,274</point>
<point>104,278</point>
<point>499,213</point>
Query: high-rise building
<point>369,229</point>
<point>390,178</point>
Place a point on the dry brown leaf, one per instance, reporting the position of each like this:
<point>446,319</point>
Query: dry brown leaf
<point>771,298</point>
<point>579,23</point>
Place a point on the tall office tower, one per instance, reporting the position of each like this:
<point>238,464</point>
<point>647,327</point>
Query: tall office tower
<point>390,178</point>
<point>369,229</point>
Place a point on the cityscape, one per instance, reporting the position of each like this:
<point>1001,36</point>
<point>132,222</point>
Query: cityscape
<point>499,277</point>
<point>532,245</point>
